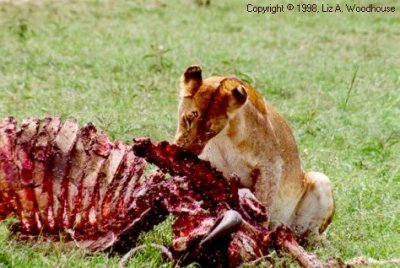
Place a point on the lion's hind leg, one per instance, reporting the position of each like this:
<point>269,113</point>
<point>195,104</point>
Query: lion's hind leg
<point>315,209</point>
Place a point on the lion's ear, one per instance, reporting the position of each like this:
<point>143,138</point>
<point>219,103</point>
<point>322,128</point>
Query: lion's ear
<point>191,80</point>
<point>237,98</point>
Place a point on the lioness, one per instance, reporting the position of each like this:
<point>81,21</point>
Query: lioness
<point>227,122</point>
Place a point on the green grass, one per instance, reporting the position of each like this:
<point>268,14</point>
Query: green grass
<point>335,77</point>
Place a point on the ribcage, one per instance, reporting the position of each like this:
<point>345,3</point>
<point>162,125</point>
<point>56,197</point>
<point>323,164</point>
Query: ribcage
<point>57,176</point>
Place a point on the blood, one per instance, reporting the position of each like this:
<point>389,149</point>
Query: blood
<point>58,177</point>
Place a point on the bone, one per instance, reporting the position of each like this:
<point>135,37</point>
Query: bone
<point>229,223</point>
<point>8,169</point>
<point>89,193</point>
<point>63,145</point>
<point>109,183</point>
<point>26,138</point>
<point>165,251</point>
<point>80,157</point>
<point>119,185</point>
<point>135,173</point>
<point>42,154</point>
<point>285,241</point>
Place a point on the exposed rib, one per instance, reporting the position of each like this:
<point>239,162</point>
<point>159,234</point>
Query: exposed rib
<point>109,181</point>
<point>80,157</point>
<point>42,154</point>
<point>26,138</point>
<point>90,181</point>
<point>8,169</point>
<point>63,145</point>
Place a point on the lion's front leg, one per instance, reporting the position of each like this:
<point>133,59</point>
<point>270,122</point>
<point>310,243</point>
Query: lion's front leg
<point>266,189</point>
<point>315,209</point>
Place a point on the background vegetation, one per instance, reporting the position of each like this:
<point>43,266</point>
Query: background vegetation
<point>335,77</point>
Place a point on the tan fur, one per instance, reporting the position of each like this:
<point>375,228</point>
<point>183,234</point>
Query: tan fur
<point>227,122</point>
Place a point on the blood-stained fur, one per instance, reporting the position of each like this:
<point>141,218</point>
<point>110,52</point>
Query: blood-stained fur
<point>227,122</point>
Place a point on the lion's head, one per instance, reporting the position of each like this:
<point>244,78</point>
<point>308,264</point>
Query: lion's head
<point>205,107</point>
